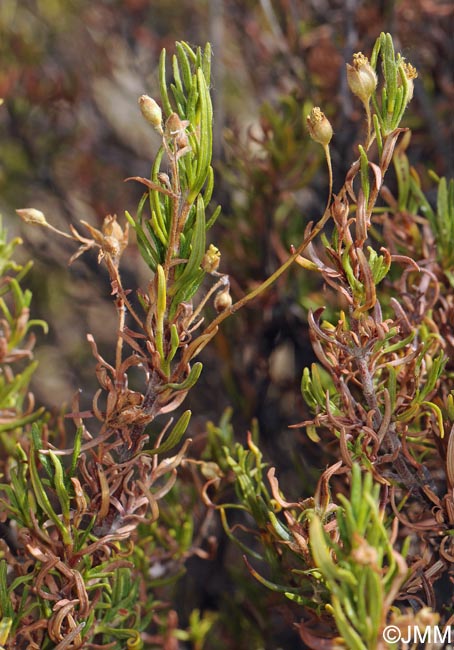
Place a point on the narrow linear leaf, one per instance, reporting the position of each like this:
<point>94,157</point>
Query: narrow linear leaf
<point>163,84</point>
<point>185,66</point>
<point>174,436</point>
<point>60,487</point>
<point>190,380</point>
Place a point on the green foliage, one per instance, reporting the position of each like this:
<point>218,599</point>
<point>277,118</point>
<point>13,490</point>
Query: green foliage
<point>397,90</point>
<point>412,199</point>
<point>367,572</point>
<point>16,341</point>
<point>178,222</point>
<point>278,548</point>
<point>93,520</point>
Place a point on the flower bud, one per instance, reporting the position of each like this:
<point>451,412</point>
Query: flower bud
<point>211,259</point>
<point>151,112</point>
<point>30,215</point>
<point>411,74</point>
<point>361,77</point>
<point>319,127</point>
<point>223,300</point>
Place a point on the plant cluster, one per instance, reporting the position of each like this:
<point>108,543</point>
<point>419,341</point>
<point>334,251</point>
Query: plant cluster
<point>381,390</point>
<point>76,568</point>
<point>96,521</point>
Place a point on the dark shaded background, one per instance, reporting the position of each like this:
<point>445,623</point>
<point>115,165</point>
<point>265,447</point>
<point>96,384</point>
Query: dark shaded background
<point>71,131</point>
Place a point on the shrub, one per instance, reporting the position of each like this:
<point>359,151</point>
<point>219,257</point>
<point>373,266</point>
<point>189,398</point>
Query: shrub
<point>96,519</point>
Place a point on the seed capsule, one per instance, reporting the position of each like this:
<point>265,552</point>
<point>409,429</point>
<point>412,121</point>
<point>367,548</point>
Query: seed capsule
<point>319,126</point>
<point>175,130</point>
<point>223,300</point>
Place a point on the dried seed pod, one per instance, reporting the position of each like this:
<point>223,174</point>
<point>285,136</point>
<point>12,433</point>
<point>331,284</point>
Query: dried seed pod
<point>223,300</point>
<point>111,245</point>
<point>175,130</point>
<point>114,239</point>
<point>340,211</point>
<point>110,227</point>
<point>319,126</point>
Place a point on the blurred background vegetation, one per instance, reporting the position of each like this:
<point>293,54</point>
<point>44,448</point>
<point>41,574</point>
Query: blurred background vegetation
<point>71,130</point>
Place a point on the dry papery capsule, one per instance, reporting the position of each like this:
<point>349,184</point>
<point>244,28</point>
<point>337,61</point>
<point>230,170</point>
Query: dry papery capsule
<point>176,129</point>
<point>114,239</point>
<point>319,126</point>
<point>111,227</point>
<point>151,112</point>
<point>361,77</point>
<point>340,211</point>
<point>111,245</point>
<point>223,300</point>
